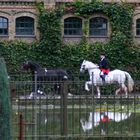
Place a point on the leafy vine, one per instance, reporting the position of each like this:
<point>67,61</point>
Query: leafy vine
<point>50,51</point>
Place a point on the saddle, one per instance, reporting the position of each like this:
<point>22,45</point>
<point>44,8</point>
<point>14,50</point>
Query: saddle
<point>105,73</point>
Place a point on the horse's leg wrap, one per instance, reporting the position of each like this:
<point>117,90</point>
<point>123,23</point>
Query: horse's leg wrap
<point>125,89</point>
<point>98,92</point>
<point>117,91</point>
<point>87,84</point>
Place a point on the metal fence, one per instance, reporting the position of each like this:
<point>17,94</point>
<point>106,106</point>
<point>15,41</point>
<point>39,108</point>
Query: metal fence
<point>63,109</point>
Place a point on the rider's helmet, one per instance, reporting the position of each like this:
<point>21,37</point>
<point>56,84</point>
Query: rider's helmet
<point>103,54</point>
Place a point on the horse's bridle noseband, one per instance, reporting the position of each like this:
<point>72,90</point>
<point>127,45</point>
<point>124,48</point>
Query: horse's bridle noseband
<point>83,67</point>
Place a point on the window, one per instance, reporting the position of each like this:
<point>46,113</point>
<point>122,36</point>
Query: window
<point>98,26</point>
<point>72,26</point>
<point>3,26</point>
<point>24,26</point>
<point>138,27</point>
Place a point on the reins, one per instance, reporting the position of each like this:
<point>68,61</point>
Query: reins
<point>93,68</point>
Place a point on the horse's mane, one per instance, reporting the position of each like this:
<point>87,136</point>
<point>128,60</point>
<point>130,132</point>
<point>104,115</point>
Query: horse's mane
<point>34,63</point>
<point>92,63</point>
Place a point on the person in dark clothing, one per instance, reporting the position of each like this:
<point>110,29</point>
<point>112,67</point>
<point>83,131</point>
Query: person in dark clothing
<point>104,67</point>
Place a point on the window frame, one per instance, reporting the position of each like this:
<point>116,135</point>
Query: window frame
<point>24,23</point>
<point>74,27</point>
<point>136,29</point>
<point>98,29</point>
<point>3,24</point>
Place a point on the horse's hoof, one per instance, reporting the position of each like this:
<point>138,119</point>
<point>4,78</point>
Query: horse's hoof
<point>126,96</point>
<point>87,89</point>
<point>31,96</point>
<point>82,121</point>
<point>98,96</point>
<point>69,94</point>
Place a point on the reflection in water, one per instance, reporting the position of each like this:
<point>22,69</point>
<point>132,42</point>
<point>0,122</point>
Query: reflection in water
<point>102,117</point>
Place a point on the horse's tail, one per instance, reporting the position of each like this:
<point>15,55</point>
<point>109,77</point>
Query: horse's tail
<point>130,81</point>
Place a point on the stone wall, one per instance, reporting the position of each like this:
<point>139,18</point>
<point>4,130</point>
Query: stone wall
<point>11,9</point>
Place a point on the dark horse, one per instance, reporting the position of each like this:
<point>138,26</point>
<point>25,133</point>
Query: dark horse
<point>44,74</point>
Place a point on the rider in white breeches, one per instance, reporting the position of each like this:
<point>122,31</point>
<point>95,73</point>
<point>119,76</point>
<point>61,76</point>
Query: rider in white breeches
<point>103,66</point>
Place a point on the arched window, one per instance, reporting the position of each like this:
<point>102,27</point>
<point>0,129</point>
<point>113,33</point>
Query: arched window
<point>3,26</point>
<point>24,26</point>
<point>98,26</point>
<point>138,27</point>
<point>73,26</point>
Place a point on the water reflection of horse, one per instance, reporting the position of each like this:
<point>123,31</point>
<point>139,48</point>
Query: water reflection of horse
<point>97,118</point>
<point>43,74</point>
<point>116,76</point>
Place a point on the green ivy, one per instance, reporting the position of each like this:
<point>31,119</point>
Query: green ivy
<point>120,17</point>
<point>51,52</point>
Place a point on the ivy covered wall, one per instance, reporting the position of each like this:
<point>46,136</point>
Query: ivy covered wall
<point>53,53</point>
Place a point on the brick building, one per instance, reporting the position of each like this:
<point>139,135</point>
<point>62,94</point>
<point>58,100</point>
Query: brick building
<point>19,21</point>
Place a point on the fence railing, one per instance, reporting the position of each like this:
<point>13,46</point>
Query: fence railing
<point>63,109</point>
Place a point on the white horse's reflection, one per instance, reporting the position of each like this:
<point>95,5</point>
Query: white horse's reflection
<point>97,117</point>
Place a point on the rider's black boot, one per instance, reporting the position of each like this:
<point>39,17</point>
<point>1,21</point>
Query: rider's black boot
<point>103,78</point>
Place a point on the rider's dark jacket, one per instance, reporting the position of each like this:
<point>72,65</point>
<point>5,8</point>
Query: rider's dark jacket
<point>104,66</point>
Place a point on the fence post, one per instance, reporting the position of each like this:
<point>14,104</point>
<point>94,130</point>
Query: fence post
<point>93,100</point>
<point>21,126</point>
<point>64,108</point>
<point>5,107</point>
<point>35,104</point>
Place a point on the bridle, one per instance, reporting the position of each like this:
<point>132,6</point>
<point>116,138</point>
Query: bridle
<point>83,67</point>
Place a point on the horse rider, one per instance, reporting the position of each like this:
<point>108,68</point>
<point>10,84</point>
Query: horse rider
<point>103,65</point>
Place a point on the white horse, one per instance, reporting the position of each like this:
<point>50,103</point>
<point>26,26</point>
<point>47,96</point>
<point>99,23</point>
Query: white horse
<point>115,76</point>
<point>96,117</point>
